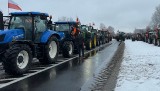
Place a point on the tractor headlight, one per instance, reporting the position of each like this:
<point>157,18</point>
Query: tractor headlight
<point>2,37</point>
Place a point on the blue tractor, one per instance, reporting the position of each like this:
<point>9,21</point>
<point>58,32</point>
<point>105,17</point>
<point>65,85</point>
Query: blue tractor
<point>69,44</point>
<point>27,37</point>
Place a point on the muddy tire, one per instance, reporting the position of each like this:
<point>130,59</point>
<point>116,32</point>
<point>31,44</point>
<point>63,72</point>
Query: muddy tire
<point>68,49</point>
<point>94,43</point>
<point>97,44</point>
<point>158,43</point>
<point>17,59</point>
<point>123,39</point>
<point>51,51</point>
<point>150,41</point>
<point>155,41</point>
<point>117,39</point>
<point>89,45</point>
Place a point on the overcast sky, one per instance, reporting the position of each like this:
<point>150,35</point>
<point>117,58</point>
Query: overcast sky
<point>125,15</point>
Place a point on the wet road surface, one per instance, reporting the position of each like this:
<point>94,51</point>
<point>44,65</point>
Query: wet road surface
<point>69,76</point>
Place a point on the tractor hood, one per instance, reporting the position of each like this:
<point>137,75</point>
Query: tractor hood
<point>7,36</point>
<point>61,34</point>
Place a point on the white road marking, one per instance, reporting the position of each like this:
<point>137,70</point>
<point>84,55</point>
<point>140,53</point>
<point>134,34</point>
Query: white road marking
<point>47,68</point>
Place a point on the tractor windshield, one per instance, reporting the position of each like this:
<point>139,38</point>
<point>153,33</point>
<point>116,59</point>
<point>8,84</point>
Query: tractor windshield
<point>22,22</point>
<point>62,27</point>
<point>84,28</point>
<point>94,30</point>
<point>90,28</point>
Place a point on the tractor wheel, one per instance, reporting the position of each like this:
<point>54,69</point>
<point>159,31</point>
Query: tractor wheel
<point>17,59</point>
<point>123,39</point>
<point>103,41</point>
<point>155,41</point>
<point>117,39</point>
<point>150,41</point>
<point>97,44</point>
<point>89,45</point>
<point>158,42</point>
<point>51,51</point>
<point>68,49</point>
<point>145,39</point>
<point>94,42</point>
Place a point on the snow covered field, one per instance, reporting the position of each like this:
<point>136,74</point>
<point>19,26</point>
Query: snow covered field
<point>140,69</point>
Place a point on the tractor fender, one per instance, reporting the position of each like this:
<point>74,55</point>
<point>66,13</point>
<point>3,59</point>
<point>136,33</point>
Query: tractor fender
<point>11,35</point>
<point>47,34</point>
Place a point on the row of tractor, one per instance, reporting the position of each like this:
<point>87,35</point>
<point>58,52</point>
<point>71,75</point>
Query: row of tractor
<point>151,36</point>
<point>32,35</point>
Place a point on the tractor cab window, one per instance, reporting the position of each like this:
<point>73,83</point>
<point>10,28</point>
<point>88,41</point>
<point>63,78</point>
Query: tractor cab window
<point>40,25</point>
<point>62,27</point>
<point>94,30</point>
<point>84,28</point>
<point>22,22</point>
<point>90,28</point>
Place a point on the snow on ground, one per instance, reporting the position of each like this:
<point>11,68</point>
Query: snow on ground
<point>140,69</point>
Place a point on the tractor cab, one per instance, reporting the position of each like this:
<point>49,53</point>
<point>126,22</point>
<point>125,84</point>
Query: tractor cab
<point>66,28</point>
<point>90,28</point>
<point>69,44</point>
<point>94,31</point>
<point>84,28</point>
<point>33,24</point>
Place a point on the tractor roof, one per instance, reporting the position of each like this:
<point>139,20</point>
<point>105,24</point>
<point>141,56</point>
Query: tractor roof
<point>29,13</point>
<point>69,22</point>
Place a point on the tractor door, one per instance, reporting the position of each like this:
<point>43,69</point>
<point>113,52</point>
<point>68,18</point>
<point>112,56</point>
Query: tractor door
<point>40,25</point>
<point>24,23</point>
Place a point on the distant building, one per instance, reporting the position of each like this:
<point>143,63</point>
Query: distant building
<point>139,30</point>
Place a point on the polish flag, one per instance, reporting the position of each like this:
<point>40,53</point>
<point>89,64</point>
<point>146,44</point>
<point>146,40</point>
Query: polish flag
<point>13,5</point>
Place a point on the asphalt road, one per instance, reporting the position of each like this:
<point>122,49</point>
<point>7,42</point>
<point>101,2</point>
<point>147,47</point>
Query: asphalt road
<point>69,76</point>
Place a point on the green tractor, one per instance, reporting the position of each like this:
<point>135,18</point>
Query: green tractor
<point>103,37</point>
<point>97,35</point>
<point>120,36</point>
<point>89,37</point>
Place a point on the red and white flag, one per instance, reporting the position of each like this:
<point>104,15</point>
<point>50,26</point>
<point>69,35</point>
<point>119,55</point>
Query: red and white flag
<point>13,5</point>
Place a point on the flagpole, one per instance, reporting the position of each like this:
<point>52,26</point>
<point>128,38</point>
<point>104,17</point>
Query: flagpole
<point>8,8</point>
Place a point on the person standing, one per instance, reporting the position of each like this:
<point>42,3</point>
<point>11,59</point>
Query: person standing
<point>78,39</point>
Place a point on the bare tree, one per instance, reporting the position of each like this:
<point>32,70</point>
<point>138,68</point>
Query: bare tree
<point>111,30</point>
<point>156,17</point>
<point>102,26</point>
<point>63,19</point>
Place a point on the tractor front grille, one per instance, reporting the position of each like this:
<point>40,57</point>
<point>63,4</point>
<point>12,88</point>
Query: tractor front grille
<point>2,37</point>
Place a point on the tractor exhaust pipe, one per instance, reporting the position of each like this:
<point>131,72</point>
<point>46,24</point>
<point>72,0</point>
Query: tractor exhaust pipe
<point>1,21</point>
